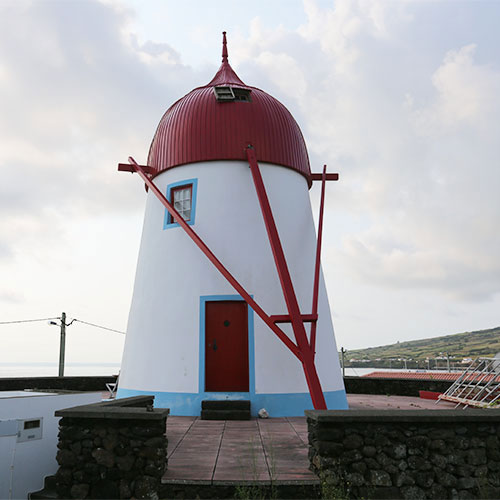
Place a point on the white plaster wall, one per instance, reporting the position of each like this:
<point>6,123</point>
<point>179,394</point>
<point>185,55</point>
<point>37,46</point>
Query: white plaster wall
<point>162,345</point>
<point>23,466</point>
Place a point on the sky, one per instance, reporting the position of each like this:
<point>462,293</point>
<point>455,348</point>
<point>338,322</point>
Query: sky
<point>401,98</point>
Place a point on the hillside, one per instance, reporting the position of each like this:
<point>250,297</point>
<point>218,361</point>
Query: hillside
<point>459,346</point>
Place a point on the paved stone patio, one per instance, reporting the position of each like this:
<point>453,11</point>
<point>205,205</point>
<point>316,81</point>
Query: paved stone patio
<point>264,451</point>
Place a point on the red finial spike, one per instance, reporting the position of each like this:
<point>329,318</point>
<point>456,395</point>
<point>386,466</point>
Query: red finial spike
<point>224,47</point>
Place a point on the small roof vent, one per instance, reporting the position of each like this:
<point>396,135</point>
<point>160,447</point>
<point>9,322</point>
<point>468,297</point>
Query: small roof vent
<point>228,94</point>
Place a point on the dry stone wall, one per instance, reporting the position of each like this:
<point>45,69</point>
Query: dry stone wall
<point>114,450</point>
<point>406,454</point>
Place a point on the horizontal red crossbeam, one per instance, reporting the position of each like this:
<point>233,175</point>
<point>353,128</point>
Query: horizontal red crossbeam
<point>329,177</point>
<point>285,318</point>
<point>126,167</point>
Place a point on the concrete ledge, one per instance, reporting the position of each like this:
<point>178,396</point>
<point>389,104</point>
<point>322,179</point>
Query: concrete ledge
<point>404,416</point>
<point>135,408</point>
<point>83,383</point>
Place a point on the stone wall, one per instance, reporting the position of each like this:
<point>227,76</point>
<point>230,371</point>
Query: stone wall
<point>393,386</point>
<point>114,449</point>
<point>406,454</point>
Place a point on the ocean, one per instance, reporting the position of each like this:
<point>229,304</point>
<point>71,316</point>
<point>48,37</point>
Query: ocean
<point>8,370</point>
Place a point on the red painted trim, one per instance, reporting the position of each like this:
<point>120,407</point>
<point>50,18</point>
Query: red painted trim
<point>292,304</point>
<point>215,261</point>
<point>285,318</point>
<point>329,177</point>
<point>178,188</point>
<point>317,268</point>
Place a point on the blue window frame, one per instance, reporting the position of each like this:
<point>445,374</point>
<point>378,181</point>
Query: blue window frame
<point>182,195</point>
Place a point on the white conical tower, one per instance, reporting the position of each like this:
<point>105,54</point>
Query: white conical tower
<point>191,336</point>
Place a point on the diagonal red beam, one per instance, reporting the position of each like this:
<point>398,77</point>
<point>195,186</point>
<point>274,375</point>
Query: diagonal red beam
<point>215,261</point>
<point>292,304</point>
<point>318,260</point>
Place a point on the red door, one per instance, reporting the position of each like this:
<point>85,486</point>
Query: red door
<point>226,346</point>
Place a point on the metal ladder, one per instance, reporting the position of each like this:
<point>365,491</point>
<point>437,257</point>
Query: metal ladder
<point>478,386</point>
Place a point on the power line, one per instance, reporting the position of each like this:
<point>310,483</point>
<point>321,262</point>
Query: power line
<point>58,317</point>
<point>27,320</point>
<point>98,326</point>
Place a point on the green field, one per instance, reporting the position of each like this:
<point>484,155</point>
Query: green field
<point>458,346</point>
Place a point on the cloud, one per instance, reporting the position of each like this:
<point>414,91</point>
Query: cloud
<point>414,133</point>
<point>79,95</point>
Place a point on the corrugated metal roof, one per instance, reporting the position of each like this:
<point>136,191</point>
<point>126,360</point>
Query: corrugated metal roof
<point>451,376</point>
<point>199,128</point>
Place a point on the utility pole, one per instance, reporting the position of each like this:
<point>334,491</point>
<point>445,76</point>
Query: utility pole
<point>448,361</point>
<point>342,352</point>
<point>62,346</point>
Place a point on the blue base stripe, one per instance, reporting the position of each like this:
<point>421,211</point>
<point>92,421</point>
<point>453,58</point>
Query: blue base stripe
<point>277,405</point>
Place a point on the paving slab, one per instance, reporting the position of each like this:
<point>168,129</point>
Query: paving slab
<point>274,450</point>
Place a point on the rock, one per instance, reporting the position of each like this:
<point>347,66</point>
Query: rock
<point>461,443</point>
<point>437,445</point>
<point>125,463</point>
<point>380,478</point>
<point>424,479</point>
<point>438,460</point>
<point>66,458</point>
<point>76,447</point>
<point>383,459</point>
<point>402,465</point>
<point>466,483</point>
<point>413,493</point>
<point>476,456</point>
<point>437,492</point>
<point>464,470</point>
<point>64,476</point>
<point>154,470</point>
<point>351,456</point>
<point>481,471</point>
<point>359,467</point>
<point>156,442</point>
<point>104,488</point>
<point>125,489</point>
<point>146,487</point>
<point>109,442</point>
<point>418,463</point>
<point>369,451</point>
<point>355,479</point>
<point>404,479</point>
<point>104,457</point>
<point>352,442</point>
<point>330,449</point>
<point>397,452</point>
<point>446,479</point>
<point>80,490</point>
<point>263,413</point>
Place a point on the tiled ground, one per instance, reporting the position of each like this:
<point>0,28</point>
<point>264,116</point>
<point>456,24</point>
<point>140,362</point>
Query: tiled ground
<point>226,452</point>
<point>223,452</point>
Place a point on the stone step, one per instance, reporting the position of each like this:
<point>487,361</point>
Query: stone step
<point>225,414</point>
<point>48,492</point>
<point>226,404</point>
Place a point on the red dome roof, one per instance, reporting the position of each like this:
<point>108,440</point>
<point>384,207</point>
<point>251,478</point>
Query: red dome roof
<point>200,127</point>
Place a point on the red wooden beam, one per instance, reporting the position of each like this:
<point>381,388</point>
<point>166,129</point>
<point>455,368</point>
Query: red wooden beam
<point>126,167</point>
<point>285,318</point>
<point>292,304</point>
<point>215,261</point>
<point>329,177</point>
<point>317,268</point>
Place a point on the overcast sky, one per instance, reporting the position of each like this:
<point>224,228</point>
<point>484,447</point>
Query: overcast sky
<point>401,98</point>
